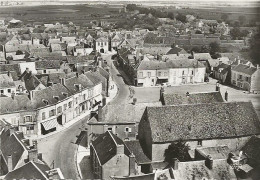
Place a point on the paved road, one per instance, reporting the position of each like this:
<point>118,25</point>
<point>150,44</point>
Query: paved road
<point>61,149</point>
<point>123,93</point>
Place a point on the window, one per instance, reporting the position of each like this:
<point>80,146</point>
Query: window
<point>2,91</point>
<point>27,119</point>
<point>98,44</point>
<point>109,129</point>
<point>182,72</point>
<point>127,129</point>
<point>65,107</point>
<point>199,142</point>
<point>76,100</point>
<point>149,74</point>
<point>59,109</point>
<point>30,127</point>
<point>191,72</point>
<point>9,90</point>
<point>44,71</point>
<point>141,74</point>
<point>84,96</point>
<point>43,115</point>
<point>159,73</point>
<point>247,79</point>
<point>240,76</point>
<point>52,113</point>
<point>70,103</point>
<point>165,73</point>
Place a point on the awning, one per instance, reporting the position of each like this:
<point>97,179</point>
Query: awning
<point>50,124</point>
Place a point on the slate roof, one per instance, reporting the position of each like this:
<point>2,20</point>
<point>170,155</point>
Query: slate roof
<point>156,50</point>
<point>184,63</point>
<point>175,56</point>
<point>106,146</point>
<point>252,148</point>
<point>193,98</point>
<point>198,170</point>
<point>202,121</point>
<point>213,62</point>
<point>6,81</point>
<point>49,64</point>
<point>176,50</point>
<point>30,170</point>
<point>96,77</point>
<point>244,69</point>
<point>11,145</point>
<point>55,47</point>
<point>135,148</point>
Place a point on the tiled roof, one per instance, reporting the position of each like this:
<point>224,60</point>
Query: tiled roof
<point>81,79</point>
<point>218,152</point>
<point>252,149</point>
<point>96,78</point>
<point>202,121</point>
<point>244,69</point>
<point>213,62</point>
<point>156,50</point>
<point>202,56</point>
<point>198,170</point>
<point>48,94</point>
<point>135,148</point>
<point>6,81</point>
<point>19,103</point>
<point>30,170</point>
<point>175,57</point>
<point>103,72</point>
<point>11,146</point>
<point>176,50</point>
<point>31,81</point>
<point>55,47</point>
<point>184,63</point>
<point>106,146</point>
<point>49,64</point>
<point>192,98</point>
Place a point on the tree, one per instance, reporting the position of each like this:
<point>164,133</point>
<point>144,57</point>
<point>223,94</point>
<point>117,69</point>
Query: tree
<point>19,52</point>
<point>181,17</point>
<point>235,33</point>
<point>224,17</point>
<point>214,48</point>
<point>177,150</point>
<point>198,32</point>
<point>170,15</point>
<point>173,45</point>
<point>242,20</point>
<point>131,7</point>
<point>254,48</point>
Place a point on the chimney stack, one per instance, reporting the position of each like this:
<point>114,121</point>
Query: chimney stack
<point>226,96</point>
<point>104,101</point>
<point>175,163</point>
<point>209,162</point>
<point>161,94</point>
<point>33,155</point>
<point>9,163</point>
<point>31,94</point>
<point>62,81</point>
<point>132,170</point>
<point>120,149</point>
<point>257,66</point>
<point>100,112</point>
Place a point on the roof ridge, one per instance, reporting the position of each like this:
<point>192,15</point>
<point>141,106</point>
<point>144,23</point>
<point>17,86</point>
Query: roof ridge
<point>39,169</point>
<point>112,137</point>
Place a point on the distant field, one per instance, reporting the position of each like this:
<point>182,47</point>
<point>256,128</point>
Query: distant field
<point>50,13</point>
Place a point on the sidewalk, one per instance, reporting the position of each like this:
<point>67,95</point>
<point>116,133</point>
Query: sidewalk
<point>113,91</point>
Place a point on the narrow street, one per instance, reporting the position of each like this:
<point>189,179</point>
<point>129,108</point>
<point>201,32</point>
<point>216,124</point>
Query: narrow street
<point>61,147</point>
<point>123,93</point>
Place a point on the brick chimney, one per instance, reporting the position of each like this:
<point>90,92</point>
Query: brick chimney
<point>33,155</point>
<point>100,112</point>
<point>161,94</point>
<point>10,163</point>
<point>132,170</point>
<point>120,149</point>
<point>31,94</point>
<point>62,81</point>
<point>209,162</point>
<point>175,163</point>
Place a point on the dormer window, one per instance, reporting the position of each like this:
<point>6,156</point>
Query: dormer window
<point>45,102</point>
<point>56,97</point>
<point>65,94</point>
<point>78,86</point>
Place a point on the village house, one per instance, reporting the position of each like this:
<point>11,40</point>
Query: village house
<point>7,85</point>
<point>101,45</point>
<point>223,73</point>
<point>111,157</point>
<point>206,125</point>
<point>246,77</point>
<point>175,72</point>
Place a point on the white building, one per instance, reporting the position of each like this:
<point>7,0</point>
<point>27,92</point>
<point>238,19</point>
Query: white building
<point>177,72</point>
<point>102,45</point>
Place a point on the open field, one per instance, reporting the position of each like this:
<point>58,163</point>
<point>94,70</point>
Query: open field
<point>52,13</point>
